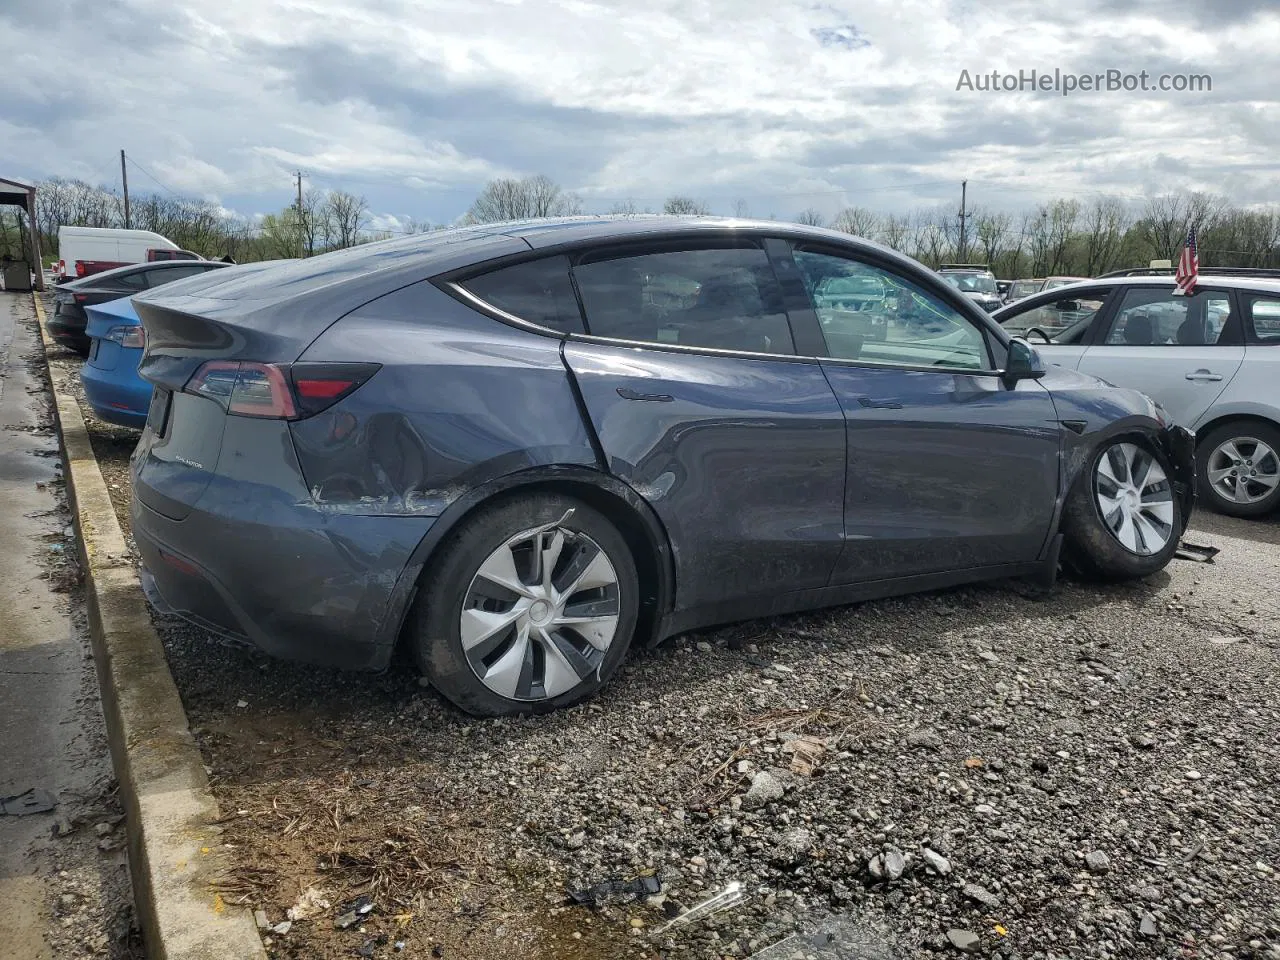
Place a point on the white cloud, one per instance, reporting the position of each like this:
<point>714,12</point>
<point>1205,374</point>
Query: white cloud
<point>784,103</point>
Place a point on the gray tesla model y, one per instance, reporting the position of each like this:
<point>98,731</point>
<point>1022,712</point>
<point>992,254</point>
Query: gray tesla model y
<point>519,448</point>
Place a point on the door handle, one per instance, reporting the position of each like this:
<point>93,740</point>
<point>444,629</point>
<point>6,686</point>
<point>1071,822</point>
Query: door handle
<point>626,393</point>
<point>874,404</point>
<point>1204,375</point>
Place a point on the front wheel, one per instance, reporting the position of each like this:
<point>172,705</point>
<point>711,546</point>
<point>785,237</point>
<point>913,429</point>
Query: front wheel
<point>1123,518</point>
<point>1238,468</point>
<point>530,606</point>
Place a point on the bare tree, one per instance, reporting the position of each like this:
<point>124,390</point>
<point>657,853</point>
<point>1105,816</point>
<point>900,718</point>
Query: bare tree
<point>511,199</point>
<point>895,231</point>
<point>810,217</point>
<point>858,221</point>
<point>684,206</point>
<point>624,208</point>
<point>315,224</point>
<point>1105,222</point>
<point>349,215</point>
<point>991,229</point>
<point>740,209</point>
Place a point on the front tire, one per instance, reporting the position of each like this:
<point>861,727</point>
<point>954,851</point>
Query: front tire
<point>1238,468</point>
<point>530,606</point>
<point>1122,519</point>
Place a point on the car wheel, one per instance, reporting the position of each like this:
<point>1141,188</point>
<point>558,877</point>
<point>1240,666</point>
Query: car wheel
<point>1238,468</point>
<point>529,607</point>
<point>1122,519</point>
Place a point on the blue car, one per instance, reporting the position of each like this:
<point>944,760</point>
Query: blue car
<point>112,385</point>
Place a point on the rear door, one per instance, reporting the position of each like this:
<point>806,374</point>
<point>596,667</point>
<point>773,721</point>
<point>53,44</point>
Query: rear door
<point>948,468</point>
<point>1180,351</point>
<point>690,377</point>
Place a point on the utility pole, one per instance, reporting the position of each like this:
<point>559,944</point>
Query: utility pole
<point>301,231</point>
<point>964,220</point>
<point>124,180</point>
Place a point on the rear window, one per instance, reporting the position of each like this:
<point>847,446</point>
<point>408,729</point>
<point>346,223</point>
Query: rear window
<point>1265,313</point>
<point>536,291</point>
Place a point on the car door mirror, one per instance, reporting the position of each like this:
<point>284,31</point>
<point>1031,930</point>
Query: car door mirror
<point>1066,305</point>
<point>1024,362</point>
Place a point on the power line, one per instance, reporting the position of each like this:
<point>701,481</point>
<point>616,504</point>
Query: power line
<point>156,180</point>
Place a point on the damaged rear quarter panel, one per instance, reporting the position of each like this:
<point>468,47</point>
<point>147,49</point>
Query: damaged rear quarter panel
<point>461,399</point>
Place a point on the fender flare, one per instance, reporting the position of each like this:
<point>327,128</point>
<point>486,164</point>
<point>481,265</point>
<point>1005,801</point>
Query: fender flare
<point>550,476</point>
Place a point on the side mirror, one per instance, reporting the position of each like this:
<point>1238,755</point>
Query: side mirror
<point>1024,363</point>
<point>1065,305</point>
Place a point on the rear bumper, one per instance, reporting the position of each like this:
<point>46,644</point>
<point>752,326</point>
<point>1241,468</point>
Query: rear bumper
<point>68,333</point>
<point>318,588</point>
<point>116,396</point>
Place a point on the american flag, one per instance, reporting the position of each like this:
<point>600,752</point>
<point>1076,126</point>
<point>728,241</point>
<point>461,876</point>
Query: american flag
<point>1188,266</point>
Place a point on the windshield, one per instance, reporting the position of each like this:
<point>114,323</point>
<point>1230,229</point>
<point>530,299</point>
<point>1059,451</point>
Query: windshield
<point>971,282</point>
<point>1060,282</point>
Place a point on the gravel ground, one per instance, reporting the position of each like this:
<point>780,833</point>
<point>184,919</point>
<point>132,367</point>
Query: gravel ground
<point>1091,773</point>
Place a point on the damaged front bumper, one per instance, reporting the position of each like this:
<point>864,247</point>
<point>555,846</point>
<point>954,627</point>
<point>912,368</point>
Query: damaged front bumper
<point>1179,445</point>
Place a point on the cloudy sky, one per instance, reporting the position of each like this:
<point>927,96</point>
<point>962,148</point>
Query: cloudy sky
<point>783,104</point>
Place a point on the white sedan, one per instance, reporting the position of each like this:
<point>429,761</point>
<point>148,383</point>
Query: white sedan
<point>1212,360</point>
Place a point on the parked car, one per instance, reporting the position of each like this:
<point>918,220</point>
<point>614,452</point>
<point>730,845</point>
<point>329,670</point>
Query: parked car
<point>67,325</point>
<point>84,251</point>
<point>492,445</point>
<point>113,387</point>
<point>1002,288</point>
<point>975,282</point>
<point>1212,360</point>
<point>1021,289</point>
<point>1053,283</point>
<point>114,390</point>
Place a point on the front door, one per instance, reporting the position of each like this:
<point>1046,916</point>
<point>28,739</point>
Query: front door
<point>948,468</point>
<point>692,383</point>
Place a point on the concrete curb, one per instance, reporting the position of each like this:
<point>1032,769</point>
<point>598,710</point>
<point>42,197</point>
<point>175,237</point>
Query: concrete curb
<point>175,852</point>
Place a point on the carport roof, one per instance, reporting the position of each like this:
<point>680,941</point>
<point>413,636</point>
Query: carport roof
<point>16,191</point>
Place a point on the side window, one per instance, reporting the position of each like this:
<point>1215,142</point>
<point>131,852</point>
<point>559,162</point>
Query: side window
<point>537,291</point>
<point>1265,314</point>
<point>158,277</point>
<point>725,298</point>
<point>132,281</point>
<point>1058,316</point>
<point>1154,316</point>
<point>867,313</point>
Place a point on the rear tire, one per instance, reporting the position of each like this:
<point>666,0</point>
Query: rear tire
<point>1138,533</point>
<point>1252,449</point>
<point>529,606</point>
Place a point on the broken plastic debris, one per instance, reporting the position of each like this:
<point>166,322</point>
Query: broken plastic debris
<point>730,896</point>
<point>614,888</point>
<point>353,912</point>
<point>1196,552</point>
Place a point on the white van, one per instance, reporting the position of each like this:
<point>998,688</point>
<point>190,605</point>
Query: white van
<point>87,250</point>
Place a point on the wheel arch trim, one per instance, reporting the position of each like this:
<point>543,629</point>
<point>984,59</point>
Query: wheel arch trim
<point>609,494</point>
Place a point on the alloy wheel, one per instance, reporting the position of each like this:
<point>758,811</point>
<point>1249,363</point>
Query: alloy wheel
<point>541,613</point>
<point>1243,470</point>
<point>1135,498</point>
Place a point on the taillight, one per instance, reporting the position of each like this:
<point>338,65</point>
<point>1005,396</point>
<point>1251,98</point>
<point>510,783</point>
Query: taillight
<point>79,268</point>
<point>130,336</point>
<point>80,297</point>
<point>278,391</point>
<point>318,386</point>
